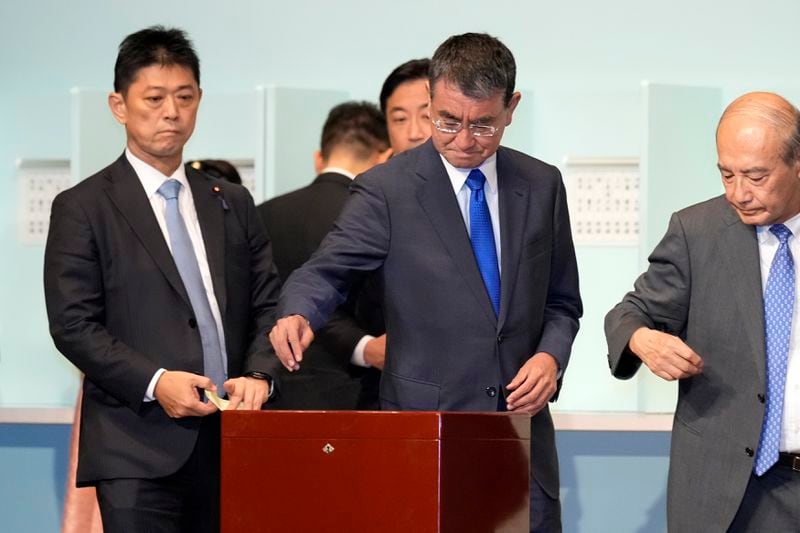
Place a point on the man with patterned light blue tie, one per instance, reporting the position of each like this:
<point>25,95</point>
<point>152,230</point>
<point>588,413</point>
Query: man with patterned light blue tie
<point>471,242</point>
<point>159,286</point>
<point>717,309</point>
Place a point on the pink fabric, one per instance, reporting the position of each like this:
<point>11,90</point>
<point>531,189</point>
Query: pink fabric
<point>81,513</point>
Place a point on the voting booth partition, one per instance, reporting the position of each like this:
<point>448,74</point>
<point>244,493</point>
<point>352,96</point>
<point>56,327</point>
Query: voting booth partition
<point>331,471</point>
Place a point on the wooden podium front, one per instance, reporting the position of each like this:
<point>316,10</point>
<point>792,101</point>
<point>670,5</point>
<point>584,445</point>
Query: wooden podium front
<point>350,472</point>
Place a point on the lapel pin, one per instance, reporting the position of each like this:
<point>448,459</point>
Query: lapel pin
<point>217,191</point>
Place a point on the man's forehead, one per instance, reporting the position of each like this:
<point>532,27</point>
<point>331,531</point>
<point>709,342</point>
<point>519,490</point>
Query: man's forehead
<point>445,95</point>
<point>157,70</point>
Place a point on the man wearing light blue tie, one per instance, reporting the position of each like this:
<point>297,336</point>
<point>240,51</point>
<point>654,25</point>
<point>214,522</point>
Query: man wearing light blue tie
<point>159,284</point>
<point>717,309</point>
<point>471,242</point>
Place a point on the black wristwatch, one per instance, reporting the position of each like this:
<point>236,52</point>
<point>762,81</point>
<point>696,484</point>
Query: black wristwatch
<point>258,375</point>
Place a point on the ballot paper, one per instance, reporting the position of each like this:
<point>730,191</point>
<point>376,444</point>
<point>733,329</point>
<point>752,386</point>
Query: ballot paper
<point>214,398</point>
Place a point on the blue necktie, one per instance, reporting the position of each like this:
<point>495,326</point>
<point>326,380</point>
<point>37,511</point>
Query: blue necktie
<point>482,237</point>
<point>778,308</point>
<point>186,261</point>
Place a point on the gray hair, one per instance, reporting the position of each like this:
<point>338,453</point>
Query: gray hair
<point>775,111</point>
<point>477,63</point>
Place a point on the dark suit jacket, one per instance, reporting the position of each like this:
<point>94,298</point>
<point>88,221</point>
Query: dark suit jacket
<point>119,311</point>
<point>446,348</point>
<point>297,222</point>
<point>704,285</point>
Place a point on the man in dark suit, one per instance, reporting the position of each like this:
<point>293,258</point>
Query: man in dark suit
<point>159,285</point>
<point>472,244</point>
<point>404,100</point>
<point>717,310</point>
<point>345,358</point>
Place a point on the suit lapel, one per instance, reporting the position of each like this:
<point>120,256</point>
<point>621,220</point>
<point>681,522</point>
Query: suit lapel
<point>435,194</point>
<point>740,252</point>
<point>126,192</point>
<point>513,214</point>
<point>210,206</point>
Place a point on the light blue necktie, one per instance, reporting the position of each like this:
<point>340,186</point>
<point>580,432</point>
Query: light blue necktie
<point>482,237</point>
<point>778,308</point>
<point>186,261</point>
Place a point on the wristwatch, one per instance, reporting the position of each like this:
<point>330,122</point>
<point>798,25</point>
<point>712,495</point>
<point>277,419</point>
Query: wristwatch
<point>258,375</point>
<point>255,374</point>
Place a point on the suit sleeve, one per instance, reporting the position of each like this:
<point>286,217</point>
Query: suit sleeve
<point>660,300</point>
<point>264,290</point>
<point>75,298</point>
<point>563,307</point>
<point>357,244</point>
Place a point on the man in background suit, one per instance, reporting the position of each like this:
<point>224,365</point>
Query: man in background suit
<point>404,100</point>
<point>717,309</point>
<point>159,285</point>
<point>472,244</point>
<point>344,360</point>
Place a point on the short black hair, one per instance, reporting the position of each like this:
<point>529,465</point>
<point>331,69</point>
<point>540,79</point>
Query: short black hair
<point>477,63</point>
<point>358,125</point>
<point>218,168</point>
<point>409,71</point>
<point>155,45</point>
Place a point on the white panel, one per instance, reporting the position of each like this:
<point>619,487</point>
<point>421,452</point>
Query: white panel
<point>39,182</point>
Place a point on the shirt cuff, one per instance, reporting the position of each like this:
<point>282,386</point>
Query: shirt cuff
<point>150,393</point>
<point>358,352</point>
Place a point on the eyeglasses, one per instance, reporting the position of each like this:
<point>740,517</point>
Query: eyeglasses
<point>453,126</point>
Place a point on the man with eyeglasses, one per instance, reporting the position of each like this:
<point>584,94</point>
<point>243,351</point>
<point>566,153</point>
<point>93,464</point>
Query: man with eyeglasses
<point>472,244</point>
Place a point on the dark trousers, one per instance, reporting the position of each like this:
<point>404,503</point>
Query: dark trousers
<point>186,501</point>
<point>771,503</point>
<point>545,511</point>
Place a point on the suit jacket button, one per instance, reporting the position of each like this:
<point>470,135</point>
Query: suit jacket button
<point>491,392</point>
<point>749,451</point>
<point>500,339</point>
<point>761,398</point>
<point>192,323</point>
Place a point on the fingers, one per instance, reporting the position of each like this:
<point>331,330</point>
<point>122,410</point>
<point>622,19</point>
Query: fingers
<point>234,396</point>
<point>531,394</point>
<point>247,393</point>
<point>201,382</point>
<point>667,356</point>
<point>534,384</point>
<point>290,337</point>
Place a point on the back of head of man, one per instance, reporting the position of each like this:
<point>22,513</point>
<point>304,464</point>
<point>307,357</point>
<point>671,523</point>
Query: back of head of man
<point>758,145</point>
<point>471,80</point>
<point>157,94</point>
<point>404,101</point>
<point>354,138</point>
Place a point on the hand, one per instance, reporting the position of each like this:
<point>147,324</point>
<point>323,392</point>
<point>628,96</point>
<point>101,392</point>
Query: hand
<point>177,393</point>
<point>534,384</point>
<point>666,355</point>
<point>246,393</point>
<point>290,337</point>
<point>375,352</point>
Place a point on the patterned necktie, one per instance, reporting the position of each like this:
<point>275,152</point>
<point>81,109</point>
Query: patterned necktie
<point>778,307</point>
<point>186,261</point>
<point>482,237</point>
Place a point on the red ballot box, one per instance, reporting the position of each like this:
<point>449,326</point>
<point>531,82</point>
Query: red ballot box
<point>349,472</point>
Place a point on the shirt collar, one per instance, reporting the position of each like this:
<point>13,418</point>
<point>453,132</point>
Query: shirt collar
<point>151,178</point>
<point>338,170</point>
<point>793,224</point>
<point>458,176</point>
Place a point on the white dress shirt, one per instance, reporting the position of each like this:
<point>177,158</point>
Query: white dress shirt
<point>151,180</point>
<point>357,357</point>
<point>458,178</point>
<point>767,247</point>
